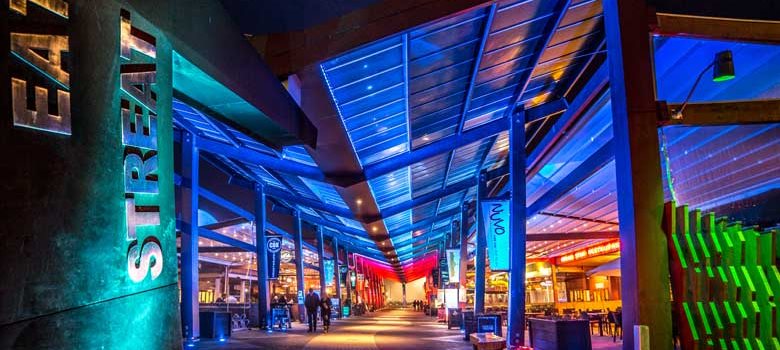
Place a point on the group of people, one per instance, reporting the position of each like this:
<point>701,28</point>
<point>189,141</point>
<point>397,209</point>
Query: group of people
<point>418,305</point>
<point>312,302</point>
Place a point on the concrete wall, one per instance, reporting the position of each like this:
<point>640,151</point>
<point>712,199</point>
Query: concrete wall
<point>414,290</point>
<point>65,247</point>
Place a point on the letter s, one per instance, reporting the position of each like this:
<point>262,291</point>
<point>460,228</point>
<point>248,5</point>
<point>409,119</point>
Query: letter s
<point>142,258</point>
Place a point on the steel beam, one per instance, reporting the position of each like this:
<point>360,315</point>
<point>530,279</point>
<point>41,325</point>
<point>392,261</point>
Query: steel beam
<point>475,69</point>
<point>258,158</point>
<point>321,257</point>
<point>264,300</point>
<point>726,113</point>
<point>517,164</point>
<point>480,257</point>
<point>189,239</point>
<point>301,290</point>
<point>582,172</point>
<point>214,236</point>
<point>718,28</point>
<point>644,258</point>
<point>564,236</point>
<point>546,110</point>
<point>337,272</point>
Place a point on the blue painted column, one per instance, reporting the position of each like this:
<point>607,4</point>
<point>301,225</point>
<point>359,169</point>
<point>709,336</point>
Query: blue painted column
<point>263,302</point>
<point>321,254</point>
<point>301,290</point>
<point>189,238</point>
<point>464,245</point>
<point>644,260</point>
<point>337,273</point>
<point>349,282</point>
<point>516,314</point>
<point>480,256</point>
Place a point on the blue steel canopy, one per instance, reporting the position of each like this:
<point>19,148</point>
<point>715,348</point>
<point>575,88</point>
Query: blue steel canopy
<point>425,111</point>
<point>399,94</point>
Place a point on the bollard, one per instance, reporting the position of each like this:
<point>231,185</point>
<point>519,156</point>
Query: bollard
<point>641,337</point>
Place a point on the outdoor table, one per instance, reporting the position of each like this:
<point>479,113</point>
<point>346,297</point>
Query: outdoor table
<point>487,341</point>
<point>600,316</point>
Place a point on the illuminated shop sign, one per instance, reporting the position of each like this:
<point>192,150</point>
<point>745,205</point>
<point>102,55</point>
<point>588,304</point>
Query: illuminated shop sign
<point>138,112</point>
<point>328,267</point>
<point>495,217</point>
<point>39,50</point>
<point>600,249</point>
<point>453,265</point>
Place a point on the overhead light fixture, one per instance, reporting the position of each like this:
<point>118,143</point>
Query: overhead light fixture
<point>722,70</point>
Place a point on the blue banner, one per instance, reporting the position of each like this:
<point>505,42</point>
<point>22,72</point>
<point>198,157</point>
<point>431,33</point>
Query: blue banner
<point>328,268</point>
<point>273,251</point>
<point>495,218</point>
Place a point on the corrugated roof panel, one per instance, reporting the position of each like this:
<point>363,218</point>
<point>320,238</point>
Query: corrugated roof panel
<point>391,188</point>
<point>325,192</point>
<point>467,160</point>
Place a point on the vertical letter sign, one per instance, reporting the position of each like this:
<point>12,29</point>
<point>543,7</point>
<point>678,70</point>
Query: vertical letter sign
<point>39,65</point>
<point>496,220</point>
<point>273,245</point>
<point>328,267</point>
<point>138,113</point>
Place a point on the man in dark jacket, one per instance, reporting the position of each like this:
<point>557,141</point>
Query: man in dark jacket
<point>311,302</point>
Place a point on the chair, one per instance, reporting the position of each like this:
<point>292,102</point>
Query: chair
<point>615,320</point>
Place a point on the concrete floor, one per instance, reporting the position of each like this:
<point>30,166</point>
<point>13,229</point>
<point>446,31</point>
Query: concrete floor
<point>382,330</point>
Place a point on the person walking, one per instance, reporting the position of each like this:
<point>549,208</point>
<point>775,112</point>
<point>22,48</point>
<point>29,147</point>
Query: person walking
<point>311,302</point>
<point>325,306</point>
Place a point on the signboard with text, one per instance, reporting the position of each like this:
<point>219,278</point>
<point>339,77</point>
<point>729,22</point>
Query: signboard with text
<point>495,218</point>
<point>273,248</point>
<point>328,268</point>
<point>596,250</point>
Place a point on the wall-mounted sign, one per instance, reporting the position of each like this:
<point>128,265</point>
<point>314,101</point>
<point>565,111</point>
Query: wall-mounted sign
<point>495,218</point>
<point>300,297</point>
<point>273,251</point>
<point>435,278</point>
<point>138,112</point>
<point>444,272</point>
<point>453,265</point>
<point>601,249</point>
<point>286,256</point>
<point>40,64</point>
<point>328,268</point>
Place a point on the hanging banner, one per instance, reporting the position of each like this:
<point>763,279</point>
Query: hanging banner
<point>453,265</point>
<point>343,274</point>
<point>445,275</point>
<point>273,248</point>
<point>328,269</point>
<point>495,218</point>
<point>435,278</point>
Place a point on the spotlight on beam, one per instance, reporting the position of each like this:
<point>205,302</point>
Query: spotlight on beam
<point>723,66</point>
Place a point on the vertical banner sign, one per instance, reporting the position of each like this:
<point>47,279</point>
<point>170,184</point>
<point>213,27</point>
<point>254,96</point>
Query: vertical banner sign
<point>39,65</point>
<point>343,275</point>
<point>445,274</point>
<point>273,248</point>
<point>138,112</point>
<point>453,265</point>
<point>435,278</point>
<point>496,220</point>
<point>328,268</point>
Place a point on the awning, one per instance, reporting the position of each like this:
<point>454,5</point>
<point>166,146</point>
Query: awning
<point>611,268</point>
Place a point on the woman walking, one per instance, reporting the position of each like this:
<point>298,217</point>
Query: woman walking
<point>325,306</point>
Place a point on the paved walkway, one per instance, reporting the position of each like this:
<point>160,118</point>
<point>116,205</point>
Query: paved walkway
<point>382,330</point>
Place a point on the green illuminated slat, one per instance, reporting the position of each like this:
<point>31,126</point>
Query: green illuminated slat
<point>710,272</point>
<point>694,254</point>
<point>680,254</point>
<point>723,343</point>
<point>705,251</point>
<point>716,315</point>
<point>697,270</point>
<point>776,342</point>
<point>734,344</point>
<point>729,313</point>
<point>722,274</point>
<point>704,320</point>
<point>691,323</point>
<point>735,277</point>
<point>710,342</point>
<point>749,280</point>
<point>748,346</point>
<point>742,312</point>
<point>764,281</point>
